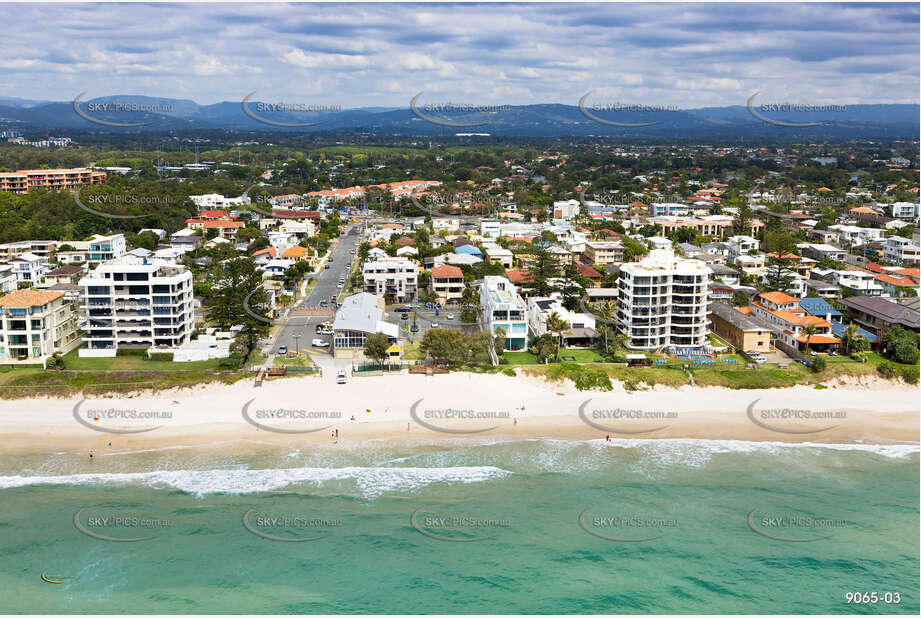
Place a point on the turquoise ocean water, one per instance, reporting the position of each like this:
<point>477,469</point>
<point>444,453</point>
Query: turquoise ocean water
<point>538,526</point>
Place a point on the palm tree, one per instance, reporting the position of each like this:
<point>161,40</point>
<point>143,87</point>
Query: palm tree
<point>606,310</point>
<point>849,335</point>
<point>808,331</point>
<point>556,324</point>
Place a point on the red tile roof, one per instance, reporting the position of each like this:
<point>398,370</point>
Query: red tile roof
<point>447,271</point>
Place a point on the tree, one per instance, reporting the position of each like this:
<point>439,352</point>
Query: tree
<point>543,268</point>
<point>779,275</point>
<point>376,346</point>
<point>233,282</point>
<point>742,222</point>
<point>543,347</point>
<point>808,332</point>
<point>556,324</point>
<point>740,299</point>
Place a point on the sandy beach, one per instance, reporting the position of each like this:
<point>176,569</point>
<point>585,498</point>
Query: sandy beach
<point>400,408</point>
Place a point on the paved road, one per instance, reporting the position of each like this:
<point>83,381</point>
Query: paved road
<point>327,286</point>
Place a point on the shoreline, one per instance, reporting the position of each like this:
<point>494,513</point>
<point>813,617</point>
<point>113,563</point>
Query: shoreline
<point>384,406</point>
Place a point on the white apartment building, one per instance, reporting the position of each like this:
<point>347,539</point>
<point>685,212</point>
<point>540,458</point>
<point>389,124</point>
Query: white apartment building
<point>566,209</point>
<point>105,248</point>
<point>395,276</point>
<point>135,302</point>
<point>8,279</point>
<point>663,301</point>
<point>856,234</point>
<point>34,324</point>
<point>439,224</point>
<point>216,201</point>
<point>906,211</point>
<point>658,242</point>
<point>29,268</point>
<point>502,307</point>
<point>742,245</point>
<point>902,251</point>
<point>491,228</point>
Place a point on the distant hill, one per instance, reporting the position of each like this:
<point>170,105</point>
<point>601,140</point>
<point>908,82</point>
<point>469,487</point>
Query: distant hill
<point>540,120</point>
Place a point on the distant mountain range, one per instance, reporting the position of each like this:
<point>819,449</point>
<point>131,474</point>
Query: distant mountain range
<point>900,121</point>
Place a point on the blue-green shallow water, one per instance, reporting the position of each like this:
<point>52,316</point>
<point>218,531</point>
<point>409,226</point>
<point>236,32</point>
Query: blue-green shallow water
<point>707,559</point>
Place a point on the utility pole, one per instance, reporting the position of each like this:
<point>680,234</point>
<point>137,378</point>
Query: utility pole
<point>297,349</point>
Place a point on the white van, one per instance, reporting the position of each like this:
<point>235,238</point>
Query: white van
<point>340,377</point>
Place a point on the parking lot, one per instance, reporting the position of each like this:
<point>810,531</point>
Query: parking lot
<point>425,318</point>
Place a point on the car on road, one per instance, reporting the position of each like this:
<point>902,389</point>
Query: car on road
<point>319,343</point>
<point>326,267</point>
<point>340,377</point>
<point>283,349</point>
<point>434,324</point>
<point>402,310</point>
<point>450,316</point>
<point>404,316</point>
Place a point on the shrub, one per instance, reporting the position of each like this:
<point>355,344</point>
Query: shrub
<point>910,374</point>
<point>160,356</point>
<point>230,362</point>
<point>886,369</point>
<point>818,364</point>
<point>509,372</point>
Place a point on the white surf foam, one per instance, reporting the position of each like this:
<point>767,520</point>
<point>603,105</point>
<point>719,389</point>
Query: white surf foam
<point>371,482</point>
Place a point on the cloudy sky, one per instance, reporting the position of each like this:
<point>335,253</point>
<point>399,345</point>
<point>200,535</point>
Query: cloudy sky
<point>357,55</point>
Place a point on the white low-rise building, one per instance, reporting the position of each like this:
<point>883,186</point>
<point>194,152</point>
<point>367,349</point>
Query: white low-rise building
<point>393,276</point>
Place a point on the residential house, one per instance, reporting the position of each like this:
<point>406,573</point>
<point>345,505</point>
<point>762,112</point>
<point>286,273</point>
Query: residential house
<point>902,251</point>
<point>29,268</point>
<point>579,328</point>
<point>499,255</point>
<point>877,314</point>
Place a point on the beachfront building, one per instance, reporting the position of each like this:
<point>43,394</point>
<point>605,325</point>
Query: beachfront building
<point>792,323</point>
<point>34,325</point>
<point>741,330</point>
<point>393,276</point>
<point>879,314</point>
<point>357,317</point>
<point>134,302</point>
<point>580,327</point>
<point>663,301</point>
<point>503,308</point>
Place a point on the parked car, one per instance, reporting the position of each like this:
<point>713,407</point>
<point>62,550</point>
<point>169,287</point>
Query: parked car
<point>404,316</point>
<point>450,316</point>
<point>323,303</point>
<point>283,349</point>
<point>403,309</point>
<point>340,377</point>
<point>434,324</point>
<point>319,343</point>
<point>326,266</point>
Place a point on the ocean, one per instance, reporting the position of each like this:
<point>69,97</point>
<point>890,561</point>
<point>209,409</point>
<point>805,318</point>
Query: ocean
<point>532,526</point>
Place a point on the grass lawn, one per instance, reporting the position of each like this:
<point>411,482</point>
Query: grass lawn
<point>520,358</point>
<point>73,362</point>
<point>412,351</point>
<point>582,356</point>
<point>301,360</point>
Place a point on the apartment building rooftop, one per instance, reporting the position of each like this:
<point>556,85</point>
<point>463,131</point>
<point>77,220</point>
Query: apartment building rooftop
<point>29,298</point>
